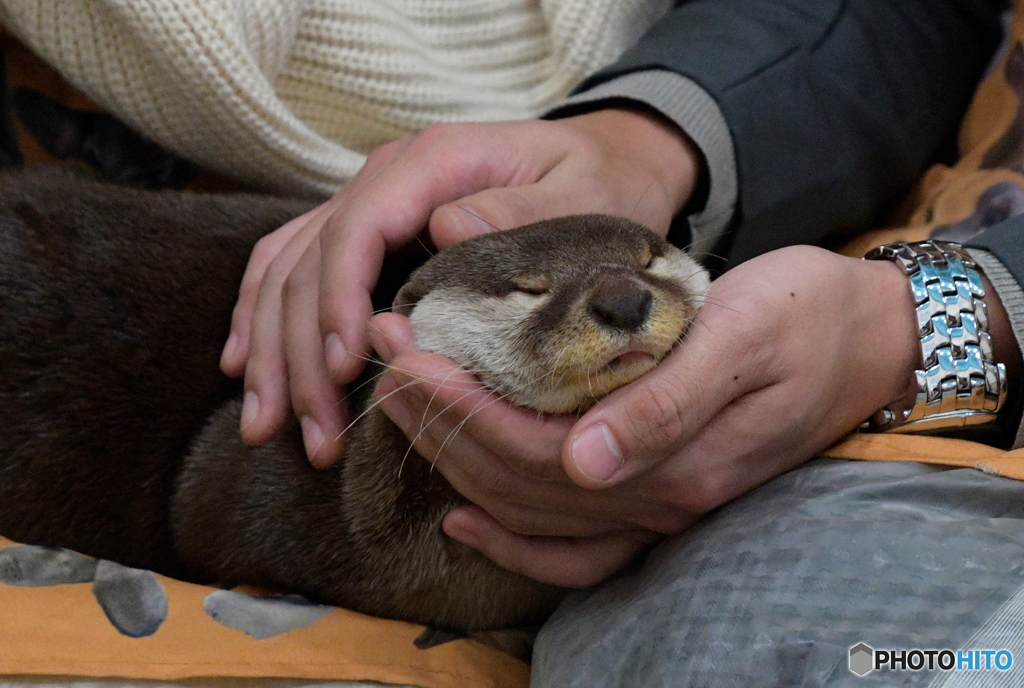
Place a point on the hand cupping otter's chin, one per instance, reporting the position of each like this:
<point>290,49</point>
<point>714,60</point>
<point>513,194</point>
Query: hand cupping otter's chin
<point>615,300</point>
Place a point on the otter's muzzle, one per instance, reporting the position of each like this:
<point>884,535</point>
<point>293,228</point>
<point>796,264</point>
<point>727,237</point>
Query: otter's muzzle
<point>619,303</point>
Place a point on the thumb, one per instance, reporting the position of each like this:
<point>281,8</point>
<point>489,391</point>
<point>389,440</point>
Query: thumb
<point>648,421</point>
<point>495,209</point>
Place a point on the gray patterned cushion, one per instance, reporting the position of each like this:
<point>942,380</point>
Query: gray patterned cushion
<point>774,588</point>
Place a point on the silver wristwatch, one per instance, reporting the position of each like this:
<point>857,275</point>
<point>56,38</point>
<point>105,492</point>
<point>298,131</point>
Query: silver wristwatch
<point>960,383</point>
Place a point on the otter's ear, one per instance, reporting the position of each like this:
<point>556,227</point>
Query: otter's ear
<point>407,297</point>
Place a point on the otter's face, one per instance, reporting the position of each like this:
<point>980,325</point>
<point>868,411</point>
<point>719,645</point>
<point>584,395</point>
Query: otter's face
<point>556,314</point>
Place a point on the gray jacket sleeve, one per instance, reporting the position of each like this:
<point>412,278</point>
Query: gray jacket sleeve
<point>833,109</point>
<point>999,251</point>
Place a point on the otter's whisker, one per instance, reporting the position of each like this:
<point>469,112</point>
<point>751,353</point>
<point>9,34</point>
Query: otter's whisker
<point>493,398</point>
<point>423,428</point>
<point>477,216</point>
<point>434,396</point>
<point>377,402</point>
<point>451,435</point>
<point>632,213</point>
<point>423,424</point>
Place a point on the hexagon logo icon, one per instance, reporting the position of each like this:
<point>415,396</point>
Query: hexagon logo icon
<point>862,659</point>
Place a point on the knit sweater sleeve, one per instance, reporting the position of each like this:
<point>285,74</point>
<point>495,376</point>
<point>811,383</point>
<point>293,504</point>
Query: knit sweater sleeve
<point>830,110</point>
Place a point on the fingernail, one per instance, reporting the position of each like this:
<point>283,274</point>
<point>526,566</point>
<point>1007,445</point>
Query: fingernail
<point>250,409</point>
<point>229,347</point>
<point>312,435</point>
<point>482,226</point>
<point>596,453</point>
<point>334,352</point>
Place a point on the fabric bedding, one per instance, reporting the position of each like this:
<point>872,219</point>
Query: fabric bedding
<point>51,682</point>
<point>772,588</point>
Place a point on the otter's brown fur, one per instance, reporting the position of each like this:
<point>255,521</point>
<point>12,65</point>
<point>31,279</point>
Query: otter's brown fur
<point>113,306</point>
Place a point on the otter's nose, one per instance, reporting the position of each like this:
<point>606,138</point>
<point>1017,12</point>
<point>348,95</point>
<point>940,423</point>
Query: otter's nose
<point>620,303</point>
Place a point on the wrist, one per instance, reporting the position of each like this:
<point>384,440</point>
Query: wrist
<point>1005,349</point>
<point>897,325</point>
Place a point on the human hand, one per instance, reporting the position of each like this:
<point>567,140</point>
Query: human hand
<point>298,329</point>
<point>792,350</point>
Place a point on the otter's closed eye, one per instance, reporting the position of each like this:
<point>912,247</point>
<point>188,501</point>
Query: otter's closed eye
<point>536,285</point>
<point>650,256</point>
<point>647,257</point>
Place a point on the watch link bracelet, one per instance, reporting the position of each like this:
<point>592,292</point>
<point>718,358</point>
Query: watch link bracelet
<point>960,384</point>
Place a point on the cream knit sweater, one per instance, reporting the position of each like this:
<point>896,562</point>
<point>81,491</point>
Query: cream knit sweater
<point>289,95</point>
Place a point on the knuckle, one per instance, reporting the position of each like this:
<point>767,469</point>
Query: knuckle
<point>535,463</point>
<point>452,147</point>
<point>274,279</point>
<point>658,418</point>
<point>297,282</point>
<point>264,251</point>
<point>382,153</point>
<point>442,133</point>
<point>433,136</point>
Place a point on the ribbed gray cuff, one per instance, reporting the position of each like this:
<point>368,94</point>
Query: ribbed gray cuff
<point>696,113</point>
<point>1012,297</point>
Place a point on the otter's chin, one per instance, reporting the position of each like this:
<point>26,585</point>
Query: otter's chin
<point>576,391</point>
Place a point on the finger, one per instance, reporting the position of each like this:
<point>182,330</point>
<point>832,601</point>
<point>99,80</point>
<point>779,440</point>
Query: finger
<point>390,334</point>
<point>268,249</point>
<point>314,397</point>
<point>469,464</point>
<point>535,522</point>
<point>486,479</point>
<point>266,401</point>
<point>236,349</point>
<point>440,165</point>
<point>645,422</point>
<point>568,562</point>
<point>522,505</point>
<point>489,211</point>
<point>530,443</point>
<point>265,404</point>
<point>553,195</point>
<point>753,439</point>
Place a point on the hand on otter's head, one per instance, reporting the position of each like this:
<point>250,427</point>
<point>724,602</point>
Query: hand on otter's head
<point>298,330</point>
<point>791,351</point>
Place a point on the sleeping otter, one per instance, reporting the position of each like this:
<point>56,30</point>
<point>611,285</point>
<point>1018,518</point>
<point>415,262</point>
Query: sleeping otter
<point>118,433</point>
